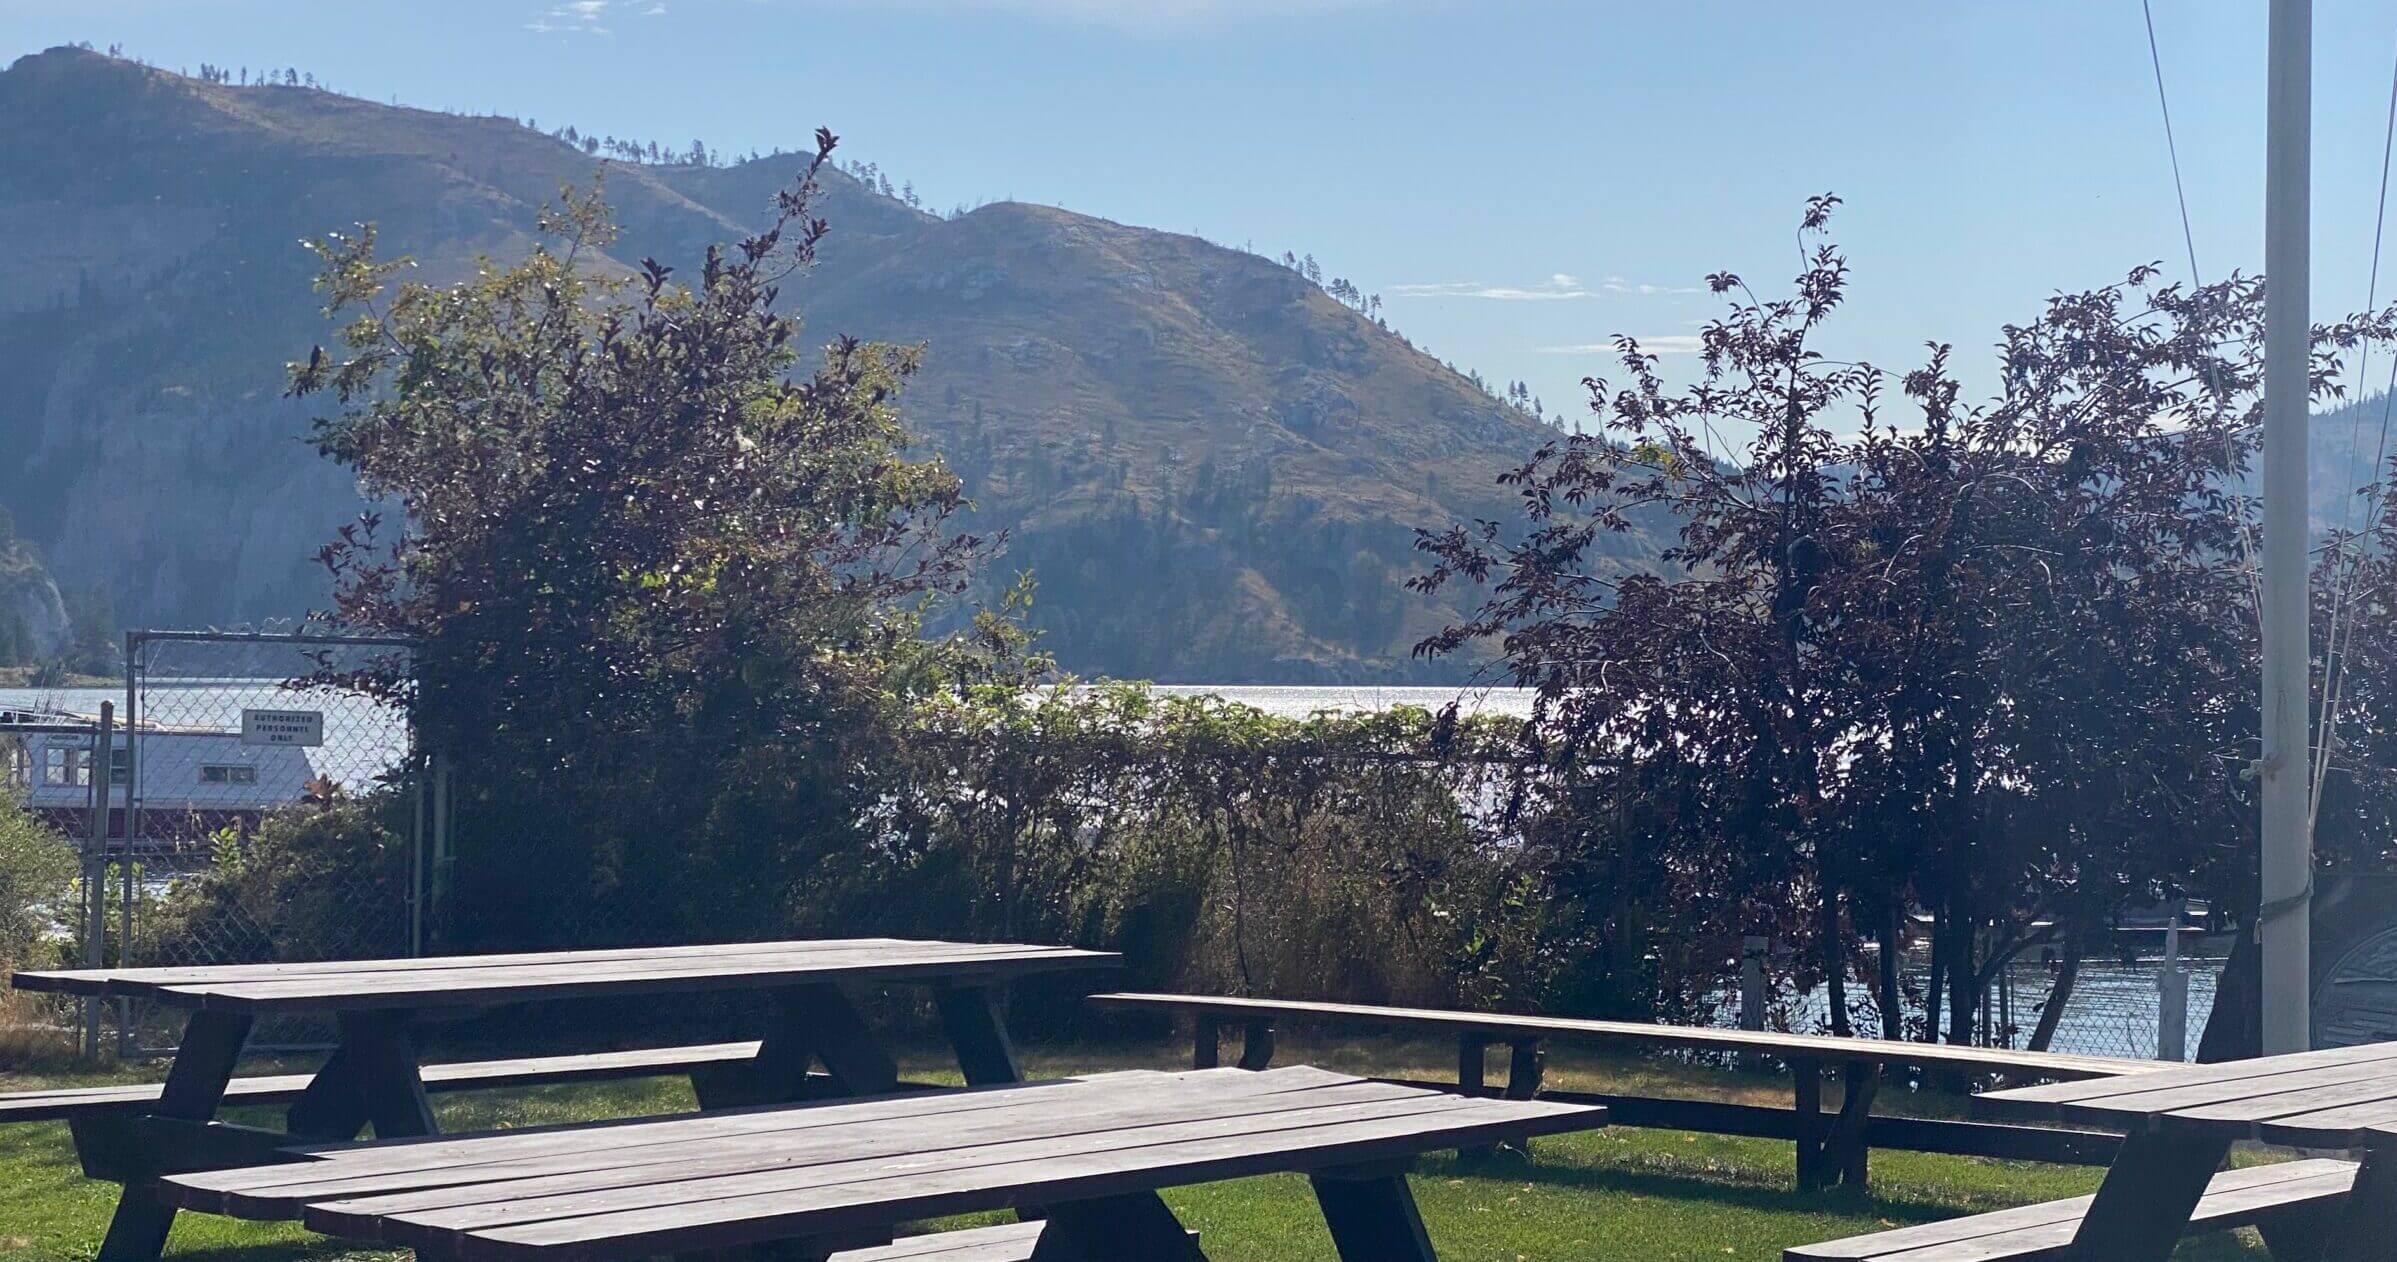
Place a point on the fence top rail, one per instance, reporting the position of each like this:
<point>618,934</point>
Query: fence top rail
<point>1502,1027</point>
<point>345,985</point>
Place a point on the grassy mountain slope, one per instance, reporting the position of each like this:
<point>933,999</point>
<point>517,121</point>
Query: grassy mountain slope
<point>1213,466</point>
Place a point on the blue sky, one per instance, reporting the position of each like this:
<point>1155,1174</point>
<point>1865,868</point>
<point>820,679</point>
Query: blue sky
<point>1517,178</point>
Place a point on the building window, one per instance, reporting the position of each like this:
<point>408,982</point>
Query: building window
<point>227,773</point>
<point>62,767</point>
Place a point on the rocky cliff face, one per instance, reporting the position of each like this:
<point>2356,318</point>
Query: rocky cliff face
<point>1214,468</point>
<point>33,619</point>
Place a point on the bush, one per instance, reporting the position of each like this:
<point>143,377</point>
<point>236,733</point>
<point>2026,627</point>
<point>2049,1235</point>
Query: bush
<point>37,877</point>
<point>316,882</point>
<point>1355,857</point>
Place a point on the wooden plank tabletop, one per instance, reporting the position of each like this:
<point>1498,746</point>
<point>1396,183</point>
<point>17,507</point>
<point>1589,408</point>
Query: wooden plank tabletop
<point>1821,1047</point>
<point>491,979</point>
<point>666,1185</point>
<point>2334,1098</point>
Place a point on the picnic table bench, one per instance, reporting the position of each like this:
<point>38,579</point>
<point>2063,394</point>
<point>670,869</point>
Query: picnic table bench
<point>374,1078</point>
<point>1830,1147</point>
<point>2164,1184</point>
<point>1089,1152</point>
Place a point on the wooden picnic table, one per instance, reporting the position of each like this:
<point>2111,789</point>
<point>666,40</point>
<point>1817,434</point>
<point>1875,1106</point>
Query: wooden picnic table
<point>2180,1124</point>
<point>1830,1147</point>
<point>374,1074</point>
<point>1091,1153</point>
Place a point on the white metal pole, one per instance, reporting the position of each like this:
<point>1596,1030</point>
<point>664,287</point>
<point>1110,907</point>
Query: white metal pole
<point>2172,994</point>
<point>2288,844</point>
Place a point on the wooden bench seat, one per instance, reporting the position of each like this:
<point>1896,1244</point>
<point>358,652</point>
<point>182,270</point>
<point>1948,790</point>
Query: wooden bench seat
<point>76,1102</point>
<point>2255,1196</point>
<point>1012,1242</point>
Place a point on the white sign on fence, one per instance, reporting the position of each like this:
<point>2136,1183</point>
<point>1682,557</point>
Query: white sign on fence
<point>282,727</point>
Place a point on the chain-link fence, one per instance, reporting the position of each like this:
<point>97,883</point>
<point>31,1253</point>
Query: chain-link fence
<point>2144,994</point>
<point>259,813</point>
<point>46,765</point>
<point>2135,1002</point>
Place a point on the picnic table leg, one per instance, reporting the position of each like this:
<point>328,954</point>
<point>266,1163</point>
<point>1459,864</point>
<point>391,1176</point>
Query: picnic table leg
<point>977,1027</point>
<point>2301,1236</point>
<point>331,1108</point>
<point>814,1022</point>
<point>2143,1207</point>
<point>203,1065</point>
<point>840,1037</point>
<point>1473,1075</point>
<point>1113,1229</point>
<point>1807,1082</point>
<point>384,1081</point>
<point>1845,1153</point>
<point>1373,1217</point>
<point>2367,1223</point>
<point>1133,1225</point>
<point>1256,1044</point>
<point>1526,1066</point>
<point>1206,1041</point>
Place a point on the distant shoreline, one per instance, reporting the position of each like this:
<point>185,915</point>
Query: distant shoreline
<point>22,677</point>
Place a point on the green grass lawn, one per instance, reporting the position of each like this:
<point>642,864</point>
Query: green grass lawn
<point>1626,1194</point>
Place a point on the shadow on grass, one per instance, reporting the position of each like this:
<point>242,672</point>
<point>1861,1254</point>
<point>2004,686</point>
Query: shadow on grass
<point>1711,1188</point>
<point>313,1249</point>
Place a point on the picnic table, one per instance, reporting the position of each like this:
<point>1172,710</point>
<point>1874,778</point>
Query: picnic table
<point>374,1075</point>
<point>1090,1152</point>
<point>1830,1146</point>
<point>2180,1124</point>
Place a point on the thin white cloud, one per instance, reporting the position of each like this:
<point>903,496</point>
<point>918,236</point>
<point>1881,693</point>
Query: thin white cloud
<point>573,17</point>
<point>1556,288</point>
<point>1618,285</point>
<point>1661,344</point>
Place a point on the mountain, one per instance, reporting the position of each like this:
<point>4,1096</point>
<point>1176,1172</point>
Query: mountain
<point>1213,467</point>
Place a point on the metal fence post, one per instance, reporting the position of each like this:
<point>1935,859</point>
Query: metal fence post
<point>95,869</point>
<point>420,828</point>
<point>1751,982</point>
<point>443,860</point>
<point>1753,993</point>
<point>2172,986</point>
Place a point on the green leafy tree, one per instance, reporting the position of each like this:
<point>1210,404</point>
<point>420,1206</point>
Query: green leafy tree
<point>1990,662</point>
<point>662,592</point>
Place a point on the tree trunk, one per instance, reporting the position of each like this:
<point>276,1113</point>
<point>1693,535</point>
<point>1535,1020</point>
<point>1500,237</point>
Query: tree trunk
<point>1835,963</point>
<point>1964,999</point>
<point>1962,975</point>
<point>1893,997</point>
<point>2058,995</point>
<point>1934,987</point>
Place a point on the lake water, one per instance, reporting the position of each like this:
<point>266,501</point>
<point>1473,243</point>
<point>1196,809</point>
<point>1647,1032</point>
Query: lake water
<point>1293,700</point>
<point>1299,701</point>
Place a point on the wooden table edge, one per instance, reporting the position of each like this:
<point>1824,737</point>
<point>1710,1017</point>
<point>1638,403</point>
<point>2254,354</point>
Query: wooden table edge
<point>199,997</point>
